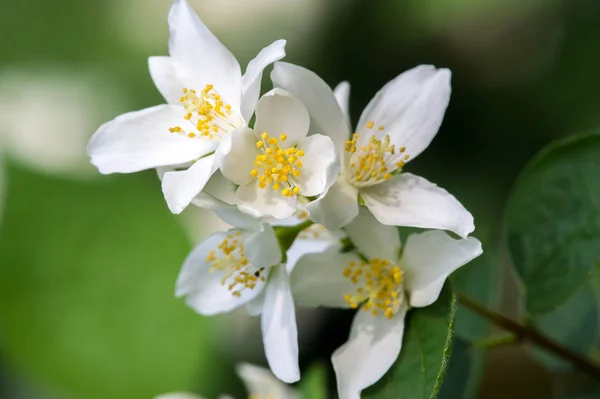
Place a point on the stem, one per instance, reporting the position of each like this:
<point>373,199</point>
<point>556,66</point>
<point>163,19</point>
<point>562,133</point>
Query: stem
<point>523,333</point>
<point>497,341</point>
<point>287,234</point>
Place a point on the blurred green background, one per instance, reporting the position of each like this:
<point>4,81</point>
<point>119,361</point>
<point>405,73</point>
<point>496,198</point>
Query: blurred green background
<point>88,262</point>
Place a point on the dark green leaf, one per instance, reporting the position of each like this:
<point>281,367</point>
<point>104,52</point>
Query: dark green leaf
<point>87,307</point>
<point>553,221</point>
<point>313,384</point>
<point>480,280</point>
<point>574,324</point>
<point>419,370</point>
<point>464,371</point>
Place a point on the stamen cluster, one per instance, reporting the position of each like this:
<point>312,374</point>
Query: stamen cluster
<point>277,167</point>
<point>233,262</point>
<point>374,161</point>
<point>207,111</point>
<point>379,286</point>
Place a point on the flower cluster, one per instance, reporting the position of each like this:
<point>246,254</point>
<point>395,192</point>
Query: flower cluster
<point>314,205</point>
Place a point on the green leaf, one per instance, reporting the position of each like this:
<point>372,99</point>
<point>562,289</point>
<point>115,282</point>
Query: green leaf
<point>573,324</point>
<point>464,371</point>
<point>313,384</point>
<point>419,370</point>
<point>553,221</point>
<point>87,274</point>
<point>480,280</point>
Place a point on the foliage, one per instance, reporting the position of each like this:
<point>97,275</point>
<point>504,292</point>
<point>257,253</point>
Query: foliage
<point>86,283</point>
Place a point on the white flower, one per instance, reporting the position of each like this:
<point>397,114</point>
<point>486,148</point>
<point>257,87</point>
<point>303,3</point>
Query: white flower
<point>276,162</point>
<point>313,240</point>
<point>395,127</point>
<point>384,287</point>
<point>243,267</point>
<point>259,383</point>
<point>207,98</point>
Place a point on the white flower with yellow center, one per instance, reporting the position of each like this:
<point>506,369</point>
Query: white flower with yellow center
<point>259,382</point>
<point>276,162</point>
<point>383,282</point>
<point>207,98</point>
<point>395,127</point>
<point>243,267</point>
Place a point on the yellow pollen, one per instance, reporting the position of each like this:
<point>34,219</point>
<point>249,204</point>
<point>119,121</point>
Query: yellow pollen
<point>380,128</point>
<point>205,111</point>
<point>372,160</point>
<point>230,259</point>
<point>370,124</point>
<point>277,167</point>
<point>379,286</point>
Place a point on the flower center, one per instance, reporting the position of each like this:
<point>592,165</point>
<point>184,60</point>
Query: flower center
<point>379,286</point>
<point>206,110</point>
<point>373,159</point>
<point>238,272</point>
<point>276,166</point>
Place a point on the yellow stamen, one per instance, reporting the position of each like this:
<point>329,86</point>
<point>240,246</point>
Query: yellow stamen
<point>205,111</point>
<point>230,259</point>
<point>373,159</point>
<point>380,286</point>
<point>277,167</point>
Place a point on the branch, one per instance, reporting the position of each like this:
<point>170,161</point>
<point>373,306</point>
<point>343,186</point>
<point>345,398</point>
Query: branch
<point>528,333</point>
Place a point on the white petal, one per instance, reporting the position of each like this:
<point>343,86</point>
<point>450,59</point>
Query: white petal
<point>278,323</point>
<point>141,140</point>
<point>181,187</point>
<point>411,108</point>
<point>373,239</point>
<point>200,58</point>
<point>203,289</point>
<point>238,158</point>
<point>259,202</point>
<point>429,258</point>
<point>221,188</point>
<point>342,96</point>
<point>260,383</point>
<point>318,279</point>
<point>373,347</point>
<point>409,200</point>
<point>325,113</point>
<point>252,78</point>
<point>179,395</point>
<point>278,112</point>
<point>255,306</point>
<point>320,165</point>
<point>337,207</point>
<point>262,248</point>
<point>231,215</point>
<point>165,78</point>
<point>302,246</point>
<point>300,216</point>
